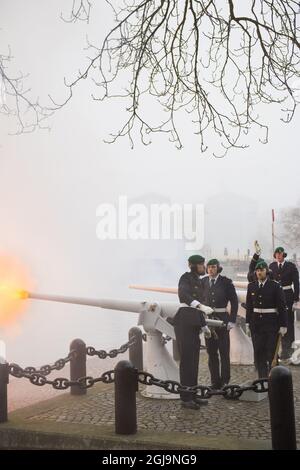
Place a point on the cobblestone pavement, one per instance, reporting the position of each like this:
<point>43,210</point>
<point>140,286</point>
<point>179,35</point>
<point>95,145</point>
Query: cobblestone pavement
<point>240,419</point>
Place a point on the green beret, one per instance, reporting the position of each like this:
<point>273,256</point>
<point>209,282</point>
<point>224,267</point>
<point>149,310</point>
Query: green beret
<point>280,249</point>
<point>261,265</point>
<point>213,262</point>
<point>196,259</point>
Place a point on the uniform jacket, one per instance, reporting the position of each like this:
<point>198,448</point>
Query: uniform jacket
<point>219,295</point>
<point>289,275</point>
<point>270,296</point>
<point>190,288</point>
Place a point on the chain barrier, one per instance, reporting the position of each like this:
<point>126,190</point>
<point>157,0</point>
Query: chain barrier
<point>18,371</point>
<point>60,383</point>
<point>91,351</point>
<point>230,392</point>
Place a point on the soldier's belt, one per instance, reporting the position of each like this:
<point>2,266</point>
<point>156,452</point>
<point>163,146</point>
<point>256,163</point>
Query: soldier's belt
<point>287,287</point>
<point>220,310</point>
<point>265,310</point>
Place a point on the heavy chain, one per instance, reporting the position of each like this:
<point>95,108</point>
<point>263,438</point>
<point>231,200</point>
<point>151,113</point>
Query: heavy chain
<point>18,371</point>
<point>231,392</point>
<point>91,351</point>
<point>60,383</point>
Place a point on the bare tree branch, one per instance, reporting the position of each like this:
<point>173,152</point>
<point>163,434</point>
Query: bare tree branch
<point>15,100</point>
<point>218,61</point>
<point>290,225</point>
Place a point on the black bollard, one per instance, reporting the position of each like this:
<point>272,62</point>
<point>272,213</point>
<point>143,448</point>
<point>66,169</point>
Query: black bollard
<point>126,386</point>
<point>4,375</point>
<point>136,350</point>
<point>78,365</point>
<point>281,397</point>
<point>176,355</point>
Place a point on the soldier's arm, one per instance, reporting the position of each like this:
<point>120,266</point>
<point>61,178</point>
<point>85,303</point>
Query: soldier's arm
<point>234,303</point>
<point>296,283</point>
<point>249,305</point>
<point>250,275</point>
<point>281,306</point>
<point>184,291</point>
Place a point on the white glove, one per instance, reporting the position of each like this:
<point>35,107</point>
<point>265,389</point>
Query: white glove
<point>230,325</point>
<point>248,332</point>
<point>257,248</point>
<point>206,331</point>
<point>205,309</point>
<point>295,305</point>
<point>282,330</point>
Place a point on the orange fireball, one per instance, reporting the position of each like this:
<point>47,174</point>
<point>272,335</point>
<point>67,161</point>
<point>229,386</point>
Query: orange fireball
<point>13,278</point>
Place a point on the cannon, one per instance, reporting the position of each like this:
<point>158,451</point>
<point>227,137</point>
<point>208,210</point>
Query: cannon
<point>153,318</point>
<point>241,349</point>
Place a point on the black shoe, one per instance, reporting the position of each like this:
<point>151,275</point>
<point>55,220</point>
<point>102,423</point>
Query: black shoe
<point>201,401</point>
<point>191,405</point>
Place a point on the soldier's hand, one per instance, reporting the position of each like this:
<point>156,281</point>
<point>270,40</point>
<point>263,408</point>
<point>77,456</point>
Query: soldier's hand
<point>206,331</point>
<point>230,325</point>
<point>205,309</point>
<point>282,330</point>
<point>296,305</point>
<point>257,248</point>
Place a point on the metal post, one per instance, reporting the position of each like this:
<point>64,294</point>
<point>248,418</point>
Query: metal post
<point>78,365</point>
<point>282,411</point>
<point>176,355</point>
<point>136,350</point>
<point>4,376</point>
<point>126,386</point>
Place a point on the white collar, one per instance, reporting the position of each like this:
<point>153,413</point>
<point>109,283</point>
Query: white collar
<point>280,263</point>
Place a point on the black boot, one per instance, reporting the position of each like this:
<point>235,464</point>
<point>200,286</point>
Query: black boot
<point>191,405</point>
<point>201,401</point>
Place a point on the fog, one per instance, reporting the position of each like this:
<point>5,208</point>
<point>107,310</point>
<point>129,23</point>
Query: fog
<point>51,183</point>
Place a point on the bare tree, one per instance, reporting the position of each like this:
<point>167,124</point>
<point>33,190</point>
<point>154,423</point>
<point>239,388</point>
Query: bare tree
<point>218,60</point>
<point>290,223</point>
<point>15,100</point>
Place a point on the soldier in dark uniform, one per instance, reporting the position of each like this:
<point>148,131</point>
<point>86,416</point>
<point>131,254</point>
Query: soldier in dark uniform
<point>188,323</point>
<point>267,317</point>
<point>286,273</point>
<point>218,291</point>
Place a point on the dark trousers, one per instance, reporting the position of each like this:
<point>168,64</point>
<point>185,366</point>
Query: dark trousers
<point>218,350</point>
<point>187,325</point>
<point>289,338</point>
<point>264,338</point>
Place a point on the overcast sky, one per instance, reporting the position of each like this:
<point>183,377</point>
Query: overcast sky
<point>52,182</point>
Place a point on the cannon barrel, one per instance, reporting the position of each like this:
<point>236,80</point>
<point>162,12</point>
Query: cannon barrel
<point>168,309</point>
<point>125,305</point>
